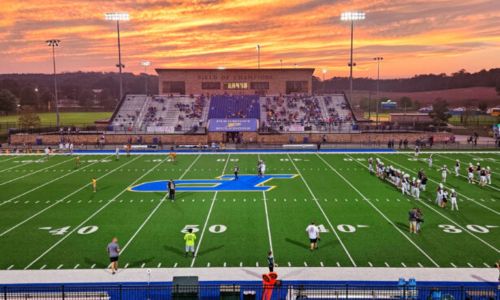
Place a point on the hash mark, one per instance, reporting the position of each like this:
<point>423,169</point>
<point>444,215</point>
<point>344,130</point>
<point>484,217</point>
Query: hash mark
<point>321,264</point>
<point>76,266</point>
<point>370,264</point>
<point>10,267</point>
<point>60,266</point>
<point>453,265</point>
<point>470,265</point>
<point>175,265</point>
<point>126,265</point>
<point>386,264</point>
<point>420,265</point>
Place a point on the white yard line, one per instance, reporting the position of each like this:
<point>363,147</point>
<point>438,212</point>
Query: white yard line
<point>323,212</point>
<point>47,183</point>
<point>208,216</point>
<point>91,216</point>
<point>155,209</point>
<point>5,160</point>
<point>379,211</point>
<point>430,179</point>
<point>456,224</point>
<point>17,166</point>
<point>31,173</point>
<point>267,218</point>
<point>64,198</point>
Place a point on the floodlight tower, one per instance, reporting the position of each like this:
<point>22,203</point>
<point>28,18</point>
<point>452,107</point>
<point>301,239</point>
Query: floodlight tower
<point>146,64</point>
<point>352,16</point>
<point>118,16</point>
<point>258,56</point>
<point>54,44</point>
<point>378,59</point>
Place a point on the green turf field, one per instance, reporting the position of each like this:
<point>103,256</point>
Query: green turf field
<point>50,218</point>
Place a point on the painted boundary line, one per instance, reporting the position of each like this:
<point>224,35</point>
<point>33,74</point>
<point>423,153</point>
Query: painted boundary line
<point>64,198</point>
<point>15,167</point>
<point>91,216</point>
<point>430,179</point>
<point>267,217</point>
<point>208,216</point>
<point>31,173</point>
<point>379,211</point>
<point>47,183</point>
<point>452,221</point>
<point>323,212</point>
<point>155,209</point>
<point>6,160</point>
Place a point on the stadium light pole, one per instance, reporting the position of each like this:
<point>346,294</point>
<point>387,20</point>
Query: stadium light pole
<point>146,64</point>
<point>351,16</point>
<point>118,16</point>
<point>378,59</point>
<point>54,44</point>
<point>258,56</point>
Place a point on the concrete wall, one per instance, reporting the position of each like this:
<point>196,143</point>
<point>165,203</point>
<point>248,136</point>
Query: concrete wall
<point>248,137</point>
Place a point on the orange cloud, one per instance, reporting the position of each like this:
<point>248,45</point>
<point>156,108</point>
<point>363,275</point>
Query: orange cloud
<point>414,36</point>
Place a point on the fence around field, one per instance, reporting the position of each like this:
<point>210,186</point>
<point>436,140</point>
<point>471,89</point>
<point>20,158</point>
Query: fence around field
<point>247,292</point>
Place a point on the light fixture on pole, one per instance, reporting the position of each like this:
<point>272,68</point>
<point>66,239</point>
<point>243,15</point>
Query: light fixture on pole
<point>146,64</point>
<point>352,16</point>
<point>378,59</point>
<point>324,72</point>
<point>54,44</point>
<point>258,56</point>
<point>118,16</point>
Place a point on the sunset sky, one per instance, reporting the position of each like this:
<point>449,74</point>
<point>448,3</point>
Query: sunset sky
<point>413,36</point>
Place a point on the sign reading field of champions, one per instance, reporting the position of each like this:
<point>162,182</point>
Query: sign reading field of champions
<point>226,183</point>
<point>232,125</point>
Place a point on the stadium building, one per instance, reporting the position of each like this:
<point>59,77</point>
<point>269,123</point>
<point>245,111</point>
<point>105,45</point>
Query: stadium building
<point>235,81</point>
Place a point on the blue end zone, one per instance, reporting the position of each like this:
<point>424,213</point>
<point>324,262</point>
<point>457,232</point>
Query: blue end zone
<point>226,183</point>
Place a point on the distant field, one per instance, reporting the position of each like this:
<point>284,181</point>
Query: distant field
<point>67,118</point>
<point>455,97</point>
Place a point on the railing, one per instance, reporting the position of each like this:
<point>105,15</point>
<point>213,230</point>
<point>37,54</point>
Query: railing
<point>247,291</point>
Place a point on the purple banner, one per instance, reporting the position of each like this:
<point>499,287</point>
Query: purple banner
<point>232,125</point>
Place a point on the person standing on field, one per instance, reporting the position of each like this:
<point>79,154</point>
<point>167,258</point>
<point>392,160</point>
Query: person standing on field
<point>313,234</point>
<point>270,261</point>
<point>114,254</point>
<point>94,184</point>
<point>190,238</point>
<point>171,190</point>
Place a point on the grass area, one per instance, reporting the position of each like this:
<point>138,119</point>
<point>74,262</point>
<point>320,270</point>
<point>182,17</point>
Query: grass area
<point>67,118</point>
<point>480,120</point>
<point>52,219</point>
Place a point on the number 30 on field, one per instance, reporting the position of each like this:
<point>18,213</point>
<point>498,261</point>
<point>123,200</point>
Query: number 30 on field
<point>448,228</point>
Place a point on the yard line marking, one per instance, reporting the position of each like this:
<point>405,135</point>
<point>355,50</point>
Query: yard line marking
<point>420,265</point>
<point>453,265</point>
<point>430,179</point>
<point>267,218</point>
<point>376,208</point>
<point>208,216</point>
<point>461,227</point>
<point>76,266</point>
<point>370,264</point>
<point>42,185</point>
<point>5,160</point>
<point>14,167</point>
<point>323,212</point>
<point>61,200</point>
<point>470,265</point>
<point>155,209</point>
<point>91,216</point>
<point>60,266</point>
<point>486,265</point>
<point>10,267</point>
<point>31,173</point>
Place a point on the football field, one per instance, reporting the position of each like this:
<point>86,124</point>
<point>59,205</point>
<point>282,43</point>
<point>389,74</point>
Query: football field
<point>51,219</point>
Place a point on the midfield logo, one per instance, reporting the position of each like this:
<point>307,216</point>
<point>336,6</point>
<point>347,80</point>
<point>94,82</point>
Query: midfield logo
<point>226,183</point>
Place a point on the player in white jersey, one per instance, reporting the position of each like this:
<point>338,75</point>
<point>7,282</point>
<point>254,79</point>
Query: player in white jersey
<point>439,194</point>
<point>263,168</point>
<point>453,200</point>
<point>370,165</point>
<point>417,151</point>
<point>313,234</point>
<point>444,173</point>
<point>117,153</point>
<point>457,168</point>
<point>417,189</point>
<point>429,160</point>
<point>47,153</point>
<point>488,175</point>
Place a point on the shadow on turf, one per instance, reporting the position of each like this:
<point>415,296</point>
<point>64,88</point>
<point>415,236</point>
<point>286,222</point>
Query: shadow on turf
<point>306,245</point>
<point>206,251</point>
<point>174,250</point>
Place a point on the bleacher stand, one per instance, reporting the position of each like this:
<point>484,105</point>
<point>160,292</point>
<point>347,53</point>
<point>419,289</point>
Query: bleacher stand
<point>224,107</point>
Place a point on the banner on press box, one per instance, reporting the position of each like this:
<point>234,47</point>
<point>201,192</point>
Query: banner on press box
<point>232,125</point>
